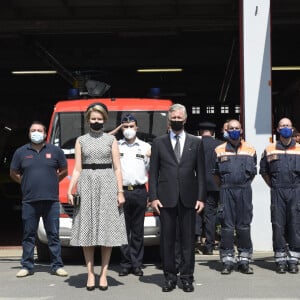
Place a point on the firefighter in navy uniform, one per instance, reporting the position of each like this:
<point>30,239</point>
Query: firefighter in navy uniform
<point>234,172</point>
<point>207,130</point>
<point>280,168</point>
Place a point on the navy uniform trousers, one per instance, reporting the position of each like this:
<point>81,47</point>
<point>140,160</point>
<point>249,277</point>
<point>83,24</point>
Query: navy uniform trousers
<point>236,212</point>
<point>285,218</point>
<point>134,211</point>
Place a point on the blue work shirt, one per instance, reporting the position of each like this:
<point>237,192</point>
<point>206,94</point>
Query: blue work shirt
<point>39,177</point>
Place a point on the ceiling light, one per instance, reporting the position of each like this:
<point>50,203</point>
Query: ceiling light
<point>286,68</point>
<point>159,70</point>
<point>34,72</point>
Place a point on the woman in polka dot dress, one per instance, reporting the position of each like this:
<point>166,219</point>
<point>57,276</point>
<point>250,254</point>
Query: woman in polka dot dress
<point>99,219</point>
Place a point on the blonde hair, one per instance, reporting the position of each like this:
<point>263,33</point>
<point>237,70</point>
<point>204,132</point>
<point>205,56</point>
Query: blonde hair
<point>97,107</point>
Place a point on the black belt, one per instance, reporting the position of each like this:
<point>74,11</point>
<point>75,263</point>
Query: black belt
<point>134,187</point>
<point>96,166</point>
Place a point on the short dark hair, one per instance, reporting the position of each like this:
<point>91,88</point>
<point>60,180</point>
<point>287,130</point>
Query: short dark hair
<point>36,122</point>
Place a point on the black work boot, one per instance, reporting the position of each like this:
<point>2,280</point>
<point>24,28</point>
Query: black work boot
<point>245,268</point>
<point>293,268</point>
<point>281,268</point>
<point>227,269</point>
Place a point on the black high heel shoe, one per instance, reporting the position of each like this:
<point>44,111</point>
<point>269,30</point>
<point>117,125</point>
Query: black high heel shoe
<point>103,288</point>
<point>90,288</point>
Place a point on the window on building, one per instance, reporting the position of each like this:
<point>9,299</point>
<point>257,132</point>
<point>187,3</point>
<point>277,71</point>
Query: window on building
<point>196,110</point>
<point>237,109</point>
<point>210,109</point>
<point>224,109</point>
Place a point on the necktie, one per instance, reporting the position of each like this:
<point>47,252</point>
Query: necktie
<point>177,148</point>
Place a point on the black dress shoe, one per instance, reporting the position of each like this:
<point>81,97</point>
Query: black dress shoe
<point>90,288</point>
<point>227,269</point>
<point>169,286</point>
<point>198,240</point>
<point>137,272</point>
<point>293,268</point>
<point>244,268</point>
<point>187,287</point>
<point>124,272</point>
<point>216,247</point>
<point>103,287</point>
<point>281,268</point>
<point>207,252</point>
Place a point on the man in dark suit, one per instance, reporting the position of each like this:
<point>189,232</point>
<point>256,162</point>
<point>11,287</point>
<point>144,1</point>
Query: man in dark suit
<point>207,130</point>
<point>176,191</point>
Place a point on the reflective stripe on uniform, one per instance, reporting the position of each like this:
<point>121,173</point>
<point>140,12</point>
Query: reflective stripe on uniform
<point>227,259</point>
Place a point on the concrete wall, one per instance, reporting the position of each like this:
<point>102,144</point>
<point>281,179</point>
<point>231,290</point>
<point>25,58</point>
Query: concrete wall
<point>256,78</point>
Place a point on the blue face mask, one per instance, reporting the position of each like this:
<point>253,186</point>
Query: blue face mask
<point>286,132</point>
<point>234,134</point>
<point>225,135</point>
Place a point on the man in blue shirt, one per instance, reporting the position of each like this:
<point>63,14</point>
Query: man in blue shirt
<point>38,167</point>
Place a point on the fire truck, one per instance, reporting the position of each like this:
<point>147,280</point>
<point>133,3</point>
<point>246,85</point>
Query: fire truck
<point>68,122</point>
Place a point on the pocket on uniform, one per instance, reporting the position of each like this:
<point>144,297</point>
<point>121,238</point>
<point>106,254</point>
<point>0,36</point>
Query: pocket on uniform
<point>224,165</point>
<point>297,164</point>
<point>274,165</point>
<point>273,213</point>
<point>250,166</point>
<point>220,214</point>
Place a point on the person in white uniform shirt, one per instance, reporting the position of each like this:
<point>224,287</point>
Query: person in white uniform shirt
<point>135,159</point>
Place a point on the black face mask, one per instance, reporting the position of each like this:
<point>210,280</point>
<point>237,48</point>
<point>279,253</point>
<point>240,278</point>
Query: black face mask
<point>96,126</point>
<point>176,125</point>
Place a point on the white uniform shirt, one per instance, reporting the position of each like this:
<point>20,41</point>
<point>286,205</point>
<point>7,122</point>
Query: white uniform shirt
<point>134,161</point>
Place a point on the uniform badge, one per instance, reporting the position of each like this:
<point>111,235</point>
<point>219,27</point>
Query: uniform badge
<point>224,158</point>
<point>272,157</point>
<point>48,155</point>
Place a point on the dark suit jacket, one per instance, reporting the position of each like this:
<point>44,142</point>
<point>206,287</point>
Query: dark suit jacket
<point>168,179</point>
<point>209,145</point>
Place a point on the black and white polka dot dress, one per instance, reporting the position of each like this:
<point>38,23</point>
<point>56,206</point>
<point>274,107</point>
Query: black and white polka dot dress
<point>98,221</point>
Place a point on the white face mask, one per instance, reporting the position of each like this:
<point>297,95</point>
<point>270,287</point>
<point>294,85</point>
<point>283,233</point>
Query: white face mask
<point>36,137</point>
<point>129,133</point>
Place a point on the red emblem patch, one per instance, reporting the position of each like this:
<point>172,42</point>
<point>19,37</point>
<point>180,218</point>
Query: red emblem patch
<point>48,155</point>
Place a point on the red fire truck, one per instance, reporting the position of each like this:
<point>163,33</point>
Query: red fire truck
<point>68,122</point>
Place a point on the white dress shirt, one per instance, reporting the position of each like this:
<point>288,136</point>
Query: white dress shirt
<point>182,137</point>
<point>134,161</point>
